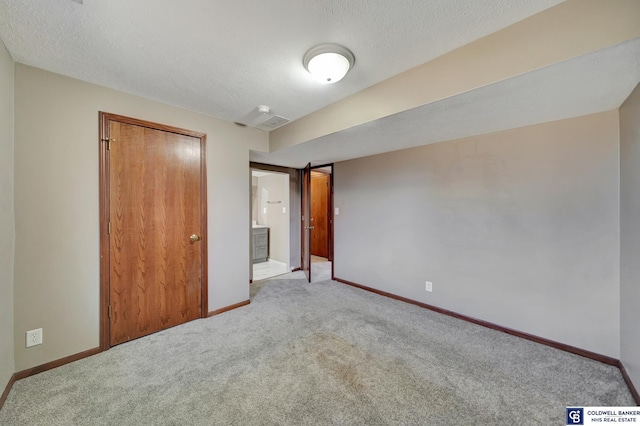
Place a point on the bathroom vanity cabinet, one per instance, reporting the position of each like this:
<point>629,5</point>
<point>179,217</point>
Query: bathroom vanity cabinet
<point>260,243</point>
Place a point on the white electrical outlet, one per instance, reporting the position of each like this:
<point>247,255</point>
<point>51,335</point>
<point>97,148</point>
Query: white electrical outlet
<point>34,337</point>
<point>428,286</point>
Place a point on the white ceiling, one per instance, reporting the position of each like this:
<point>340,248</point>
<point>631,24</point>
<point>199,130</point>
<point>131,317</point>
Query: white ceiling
<point>224,58</point>
<point>596,82</point>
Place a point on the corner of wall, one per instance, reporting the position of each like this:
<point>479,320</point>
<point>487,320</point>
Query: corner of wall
<point>7,217</point>
<point>629,131</point>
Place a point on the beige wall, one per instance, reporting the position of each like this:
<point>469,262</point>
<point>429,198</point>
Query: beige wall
<point>6,217</point>
<point>519,228</point>
<point>56,203</point>
<point>277,186</point>
<point>630,235</point>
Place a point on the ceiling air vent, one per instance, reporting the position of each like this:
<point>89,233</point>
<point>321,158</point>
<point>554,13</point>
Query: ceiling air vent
<point>262,118</point>
<point>273,123</point>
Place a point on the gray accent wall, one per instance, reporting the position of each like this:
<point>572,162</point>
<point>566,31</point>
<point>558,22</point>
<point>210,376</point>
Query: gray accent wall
<point>630,235</point>
<point>7,237</point>
<point>519,228</point>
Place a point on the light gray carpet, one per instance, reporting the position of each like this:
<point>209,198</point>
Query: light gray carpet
<point>320,271</point>
<point>321,353</point>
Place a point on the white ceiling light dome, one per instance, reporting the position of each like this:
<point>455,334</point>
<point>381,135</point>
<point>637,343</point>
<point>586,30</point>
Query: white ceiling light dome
<point>328,63</point>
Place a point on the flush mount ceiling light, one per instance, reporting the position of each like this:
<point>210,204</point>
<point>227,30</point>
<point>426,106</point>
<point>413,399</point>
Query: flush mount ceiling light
<point>328,63</point>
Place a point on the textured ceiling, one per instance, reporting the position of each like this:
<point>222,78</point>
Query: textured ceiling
<point>224,58</point>
<point>599,81</point>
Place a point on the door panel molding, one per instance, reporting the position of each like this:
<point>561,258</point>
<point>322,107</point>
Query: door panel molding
<point>104,120</point>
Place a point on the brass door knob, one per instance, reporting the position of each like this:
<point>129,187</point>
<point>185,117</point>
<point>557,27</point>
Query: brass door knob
<point>194,238</point>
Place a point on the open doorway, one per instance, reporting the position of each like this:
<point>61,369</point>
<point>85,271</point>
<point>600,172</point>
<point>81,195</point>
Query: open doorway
<point>270,218</point>
<point>321,221</point>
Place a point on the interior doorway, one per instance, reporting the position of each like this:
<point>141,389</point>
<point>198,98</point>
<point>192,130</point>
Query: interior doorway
<point>320,214</point>
<point>321,223</point>
<point>270,224</point>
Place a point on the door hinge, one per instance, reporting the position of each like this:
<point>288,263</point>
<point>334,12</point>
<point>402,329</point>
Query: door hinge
<point>109,311</point>
<point>108,141</point>
<point>109,228</point>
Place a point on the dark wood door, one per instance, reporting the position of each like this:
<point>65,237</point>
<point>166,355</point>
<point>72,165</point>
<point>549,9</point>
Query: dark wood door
<point>155,237</point>
<point>306,221</point>
<point>320,214</point>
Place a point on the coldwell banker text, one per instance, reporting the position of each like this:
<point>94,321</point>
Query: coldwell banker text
<point>600,415</point>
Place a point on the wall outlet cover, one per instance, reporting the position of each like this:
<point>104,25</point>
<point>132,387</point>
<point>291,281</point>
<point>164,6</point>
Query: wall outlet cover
<point>34,337</point>
<point>428,286</point>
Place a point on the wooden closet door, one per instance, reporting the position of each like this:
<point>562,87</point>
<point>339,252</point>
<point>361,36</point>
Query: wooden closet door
<point>155,246</point>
